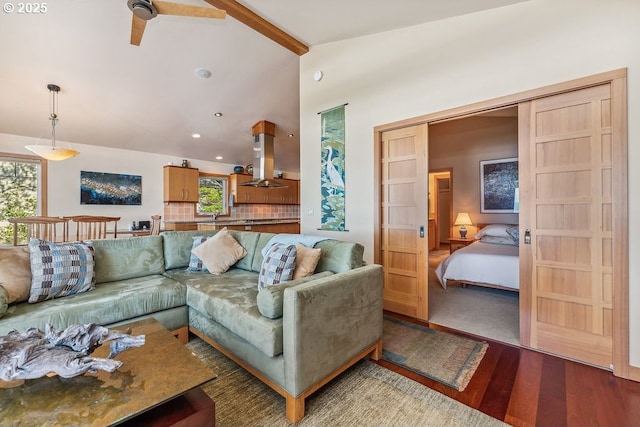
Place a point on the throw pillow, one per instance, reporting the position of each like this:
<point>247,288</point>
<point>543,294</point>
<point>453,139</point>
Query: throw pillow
<point>278,265</point>
<point>220,252</point>
<point>4,300</point>
<point>60,269</point>
<point>195,263</point>
<point>496,230</point>
<point>498,240</point>
<point>306,260</point>
<point>514,232</point>
<point>15,272</point>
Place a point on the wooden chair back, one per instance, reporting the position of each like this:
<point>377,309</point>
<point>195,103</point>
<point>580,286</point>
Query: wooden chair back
<point>51,228</point>
<point>155,225</point>
<point>90,227</point>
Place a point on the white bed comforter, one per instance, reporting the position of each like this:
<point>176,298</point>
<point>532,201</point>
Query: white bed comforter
<point>483,263</point>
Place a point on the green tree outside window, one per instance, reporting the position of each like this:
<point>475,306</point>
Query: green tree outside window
<point>213,195</point>
<point>18,196</point>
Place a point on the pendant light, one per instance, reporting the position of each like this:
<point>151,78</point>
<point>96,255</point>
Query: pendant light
<point>51,152</point>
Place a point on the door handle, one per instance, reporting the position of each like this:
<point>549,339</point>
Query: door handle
<point>422,231</point>
<point>527,237</point>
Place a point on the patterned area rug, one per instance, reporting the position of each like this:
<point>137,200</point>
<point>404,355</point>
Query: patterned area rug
<point>364,395</point>
<point>441,356</point>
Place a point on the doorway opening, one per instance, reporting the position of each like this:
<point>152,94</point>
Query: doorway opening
<point>456,148</point>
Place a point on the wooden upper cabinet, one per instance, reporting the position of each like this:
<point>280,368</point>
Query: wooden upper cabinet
<point>181,184</point>
<point>275,196</point>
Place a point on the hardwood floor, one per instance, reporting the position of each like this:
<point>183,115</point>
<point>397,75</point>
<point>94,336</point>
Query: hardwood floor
<point>526,388</point>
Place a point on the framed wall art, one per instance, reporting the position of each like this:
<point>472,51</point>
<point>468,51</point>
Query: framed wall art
<point>101,188</point>
<point>498,185</point>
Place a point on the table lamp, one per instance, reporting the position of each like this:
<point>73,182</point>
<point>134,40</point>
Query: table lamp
<point>463,219</point>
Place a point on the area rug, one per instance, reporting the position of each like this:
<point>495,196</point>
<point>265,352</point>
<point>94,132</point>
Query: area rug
<point>364,395</point>
<point>441,356</point>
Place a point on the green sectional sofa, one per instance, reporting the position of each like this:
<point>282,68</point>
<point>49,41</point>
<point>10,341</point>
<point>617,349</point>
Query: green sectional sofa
<point>295,336</point>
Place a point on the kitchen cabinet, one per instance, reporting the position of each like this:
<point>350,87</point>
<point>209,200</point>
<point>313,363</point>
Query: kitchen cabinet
<point>181,184</point>
<point>275,196</point>
<point>180,226</point>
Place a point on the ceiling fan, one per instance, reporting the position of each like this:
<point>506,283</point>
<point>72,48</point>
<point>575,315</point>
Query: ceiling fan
<point>143,10</point>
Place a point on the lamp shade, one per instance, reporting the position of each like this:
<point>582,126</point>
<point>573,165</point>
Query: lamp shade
<point>52,153</point>
<point>463,219</point>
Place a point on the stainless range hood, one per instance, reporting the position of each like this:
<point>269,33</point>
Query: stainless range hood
<point>263,133</point>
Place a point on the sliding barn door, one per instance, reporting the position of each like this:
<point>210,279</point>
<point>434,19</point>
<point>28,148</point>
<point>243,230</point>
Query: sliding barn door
<point>404,220</point>
<point>566,200</point>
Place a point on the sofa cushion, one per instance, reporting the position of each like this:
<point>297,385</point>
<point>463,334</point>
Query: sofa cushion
<point>60,269</point>
<point>121,259</point>
<point>230,299</point>
<point>178,245</point>
<point>106,304</point>
<point>195,263</point>
<point>219,252</point>
<point>306,260</point>
<point>15,272</point>
<point>278,265</point>
<point>249,241</point>
<point>263,239</point>
<point>270,298</point>
<point>339,256</point>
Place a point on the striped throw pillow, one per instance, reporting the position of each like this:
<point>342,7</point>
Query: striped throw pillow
<point>278,265</point>
<point>195,263</point>
<point>60,269</point>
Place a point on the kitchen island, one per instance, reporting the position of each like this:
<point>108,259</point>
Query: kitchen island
<point>280,225</point>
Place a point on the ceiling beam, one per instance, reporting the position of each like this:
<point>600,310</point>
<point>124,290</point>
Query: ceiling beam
<point>261,25</point>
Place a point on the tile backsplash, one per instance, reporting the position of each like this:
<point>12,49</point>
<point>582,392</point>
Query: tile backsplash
<point>187,212</point>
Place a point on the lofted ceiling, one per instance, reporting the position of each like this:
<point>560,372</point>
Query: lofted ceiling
<point>149,98</point>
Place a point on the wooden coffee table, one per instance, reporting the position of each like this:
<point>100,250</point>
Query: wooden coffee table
<point>158,384</point>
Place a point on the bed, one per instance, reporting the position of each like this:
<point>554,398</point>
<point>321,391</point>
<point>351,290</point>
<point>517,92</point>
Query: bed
<point>491,261</point>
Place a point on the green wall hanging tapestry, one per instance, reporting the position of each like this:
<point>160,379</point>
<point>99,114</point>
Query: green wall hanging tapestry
<point>332,177</point>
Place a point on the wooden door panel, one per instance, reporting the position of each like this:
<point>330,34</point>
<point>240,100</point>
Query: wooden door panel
<point>403,211</point>
<point>569,212</point>
<point>563,281</point>
<point>564,217</point>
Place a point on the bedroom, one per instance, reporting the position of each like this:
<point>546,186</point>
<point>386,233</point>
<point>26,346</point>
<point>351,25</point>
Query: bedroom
<point>456,148</point>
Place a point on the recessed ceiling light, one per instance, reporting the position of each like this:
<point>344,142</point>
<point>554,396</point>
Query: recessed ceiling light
<point>203,73</point>
<point>217,114</point>
<point>219,157</point>
<point>196,135</point>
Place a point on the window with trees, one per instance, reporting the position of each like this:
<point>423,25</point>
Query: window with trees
<point>213,191</point>
<point>22,192</point>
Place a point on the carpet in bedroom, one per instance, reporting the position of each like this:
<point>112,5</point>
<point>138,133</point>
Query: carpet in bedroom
<point>484,312</point>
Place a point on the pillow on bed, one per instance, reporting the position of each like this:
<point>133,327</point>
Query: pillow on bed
<point>498,240</point>
<point>496,230</point>
<point>514,232</point>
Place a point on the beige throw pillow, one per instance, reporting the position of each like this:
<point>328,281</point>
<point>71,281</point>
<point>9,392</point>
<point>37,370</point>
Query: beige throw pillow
<point>15,272</point>
<point>306,261</point>
<point>220,252</point>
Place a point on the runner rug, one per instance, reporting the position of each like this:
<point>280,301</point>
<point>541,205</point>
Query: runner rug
<point>441,356</point>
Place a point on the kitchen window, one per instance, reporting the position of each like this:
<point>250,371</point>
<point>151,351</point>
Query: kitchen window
<point>213,194</point>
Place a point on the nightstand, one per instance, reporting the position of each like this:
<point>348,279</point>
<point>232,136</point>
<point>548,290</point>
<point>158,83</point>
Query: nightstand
<point>456,243</point>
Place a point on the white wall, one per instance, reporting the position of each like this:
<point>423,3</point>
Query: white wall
<point>432,67</point>
<point>64,177</point>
